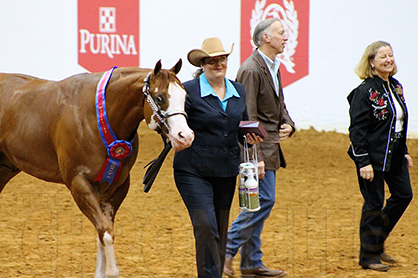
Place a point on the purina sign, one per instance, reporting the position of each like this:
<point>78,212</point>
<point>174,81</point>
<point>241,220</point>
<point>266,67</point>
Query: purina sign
<point>294,14</point>
<point>108,34</point>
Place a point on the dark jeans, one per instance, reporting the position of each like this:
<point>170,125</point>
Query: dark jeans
<point>377,221</point>
<point>208,201</point>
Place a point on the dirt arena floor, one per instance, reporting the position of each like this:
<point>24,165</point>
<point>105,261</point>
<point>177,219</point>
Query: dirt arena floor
<point>312,231</point>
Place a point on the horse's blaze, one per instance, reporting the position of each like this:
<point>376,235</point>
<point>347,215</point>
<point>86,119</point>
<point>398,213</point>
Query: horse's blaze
<point>181,136</point>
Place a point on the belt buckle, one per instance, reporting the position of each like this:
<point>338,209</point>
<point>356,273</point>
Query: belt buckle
<point>397,136</point>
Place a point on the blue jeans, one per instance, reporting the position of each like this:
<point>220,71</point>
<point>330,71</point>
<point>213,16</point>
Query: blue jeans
<point>245,231</point>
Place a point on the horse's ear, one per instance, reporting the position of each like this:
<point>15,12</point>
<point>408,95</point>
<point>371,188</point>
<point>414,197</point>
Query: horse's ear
<point>177,67</point>
<point>157,67</point>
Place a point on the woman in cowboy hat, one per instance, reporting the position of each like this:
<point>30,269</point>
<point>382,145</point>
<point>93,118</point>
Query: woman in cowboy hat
<point>205,173</point>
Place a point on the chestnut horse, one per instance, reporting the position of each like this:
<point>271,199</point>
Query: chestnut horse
<point>50,130</point>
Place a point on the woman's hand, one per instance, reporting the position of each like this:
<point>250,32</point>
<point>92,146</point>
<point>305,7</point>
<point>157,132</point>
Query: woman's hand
<point>367,172</point>
<point>409,160</point>
<point>253,138</point>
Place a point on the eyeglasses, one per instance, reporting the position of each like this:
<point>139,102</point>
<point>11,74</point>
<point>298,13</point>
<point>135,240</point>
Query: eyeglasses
<point>215,60</point>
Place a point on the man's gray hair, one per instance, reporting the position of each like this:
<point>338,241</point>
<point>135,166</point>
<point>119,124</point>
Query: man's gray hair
<point>261,29</point>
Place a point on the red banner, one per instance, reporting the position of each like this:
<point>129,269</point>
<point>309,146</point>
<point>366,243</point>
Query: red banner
<point>108,34</point>
<point>294,14</point>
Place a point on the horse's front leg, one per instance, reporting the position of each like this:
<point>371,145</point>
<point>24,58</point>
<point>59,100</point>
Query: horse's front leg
<point>89,203</point>
<point>113,202</point>
<point>106,261</point>
<point>100,261</point>
<point>111,268</point>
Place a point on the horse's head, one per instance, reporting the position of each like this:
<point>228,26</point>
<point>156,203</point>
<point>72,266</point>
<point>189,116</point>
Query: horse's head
<point>166,98</point>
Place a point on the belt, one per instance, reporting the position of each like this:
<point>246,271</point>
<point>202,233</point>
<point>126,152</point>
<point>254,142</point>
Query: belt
<point>397,136</point>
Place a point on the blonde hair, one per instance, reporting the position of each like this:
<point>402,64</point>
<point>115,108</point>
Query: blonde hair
<point>364,69</point>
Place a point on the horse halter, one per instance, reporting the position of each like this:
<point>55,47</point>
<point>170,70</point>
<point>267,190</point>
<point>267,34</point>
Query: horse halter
<point>161,115</point>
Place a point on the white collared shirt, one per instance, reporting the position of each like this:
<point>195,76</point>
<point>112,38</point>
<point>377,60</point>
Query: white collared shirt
<point>399,114</point>
<point>273,67</point>
<point>206,90</point>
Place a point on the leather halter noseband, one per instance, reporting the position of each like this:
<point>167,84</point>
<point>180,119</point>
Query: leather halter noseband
<point>161,115</point>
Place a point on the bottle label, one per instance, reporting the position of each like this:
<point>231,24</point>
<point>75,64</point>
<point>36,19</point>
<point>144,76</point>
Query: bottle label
<point>242,198</point>
<point>253,200</point>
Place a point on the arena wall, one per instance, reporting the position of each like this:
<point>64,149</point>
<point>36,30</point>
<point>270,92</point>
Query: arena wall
<point>40,38</point>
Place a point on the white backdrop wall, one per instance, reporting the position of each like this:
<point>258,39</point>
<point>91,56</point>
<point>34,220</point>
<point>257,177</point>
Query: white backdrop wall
<point>40,38</point>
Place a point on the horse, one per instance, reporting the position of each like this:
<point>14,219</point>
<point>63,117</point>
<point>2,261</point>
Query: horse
<point>57,131</point>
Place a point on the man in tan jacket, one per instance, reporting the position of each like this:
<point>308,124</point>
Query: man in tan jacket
<point>265,103</point>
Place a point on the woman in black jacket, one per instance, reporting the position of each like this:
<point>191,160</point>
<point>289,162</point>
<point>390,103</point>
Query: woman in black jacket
<point>378,129</point>
<point>205,173</point>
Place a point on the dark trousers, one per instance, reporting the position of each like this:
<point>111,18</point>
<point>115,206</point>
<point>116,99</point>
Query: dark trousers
<point>377,221</point>
<point>208,201</point>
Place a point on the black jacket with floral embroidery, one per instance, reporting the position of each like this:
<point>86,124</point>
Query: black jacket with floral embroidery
<point>372,122</point>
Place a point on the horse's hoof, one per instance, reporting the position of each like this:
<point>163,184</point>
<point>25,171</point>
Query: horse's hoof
<point>113,274</point>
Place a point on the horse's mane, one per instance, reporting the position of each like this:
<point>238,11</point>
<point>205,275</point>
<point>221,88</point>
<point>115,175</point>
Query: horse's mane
<point>163,76</point>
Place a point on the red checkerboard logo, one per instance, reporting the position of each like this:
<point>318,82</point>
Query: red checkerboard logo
<point>294,14</point>
<point>108,34</point>
<point>107,20</point>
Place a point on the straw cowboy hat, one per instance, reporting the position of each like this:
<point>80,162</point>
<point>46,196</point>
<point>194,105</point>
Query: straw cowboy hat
<point>211,47</point>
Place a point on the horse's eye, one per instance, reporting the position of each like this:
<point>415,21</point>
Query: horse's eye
<point>159,99</point>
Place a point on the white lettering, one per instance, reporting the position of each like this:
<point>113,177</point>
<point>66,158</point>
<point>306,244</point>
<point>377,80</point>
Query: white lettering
<point>119,43</point>
<point>92,49</point>
<point>131,46</point>
<point>109,44</point>
<point>84,39</point>
<point>105,45</point>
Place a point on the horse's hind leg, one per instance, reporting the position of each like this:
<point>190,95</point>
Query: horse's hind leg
<point>7,170</point>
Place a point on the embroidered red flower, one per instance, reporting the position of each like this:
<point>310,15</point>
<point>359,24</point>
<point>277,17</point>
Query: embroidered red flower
<point>379,104</point>
<point>374,95</point>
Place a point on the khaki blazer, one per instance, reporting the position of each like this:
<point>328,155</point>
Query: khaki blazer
<point>266,106</point>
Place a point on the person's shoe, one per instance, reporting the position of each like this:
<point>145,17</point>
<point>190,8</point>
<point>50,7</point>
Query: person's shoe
<point>262,271</point>
<point>228,271</point>
<point>387,259</point>
<point>376,266</point>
